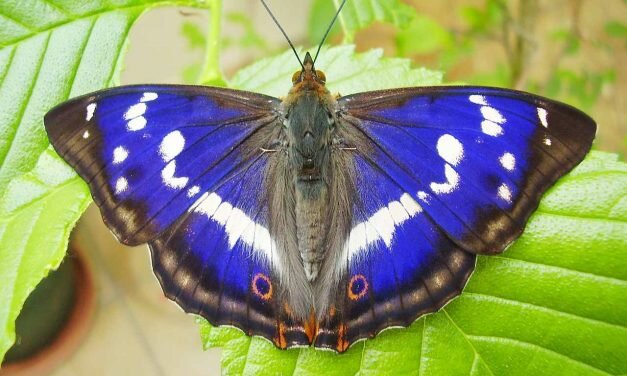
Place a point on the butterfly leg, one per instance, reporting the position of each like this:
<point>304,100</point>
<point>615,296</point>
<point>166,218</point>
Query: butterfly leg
<point>275,146</point>
<point>340,143</point>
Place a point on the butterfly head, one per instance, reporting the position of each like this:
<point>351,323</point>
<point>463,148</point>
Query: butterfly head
<point>308,77</point>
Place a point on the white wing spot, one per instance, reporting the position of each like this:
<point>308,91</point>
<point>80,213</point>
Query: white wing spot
<point>381,226</point>
<point>135,110</point>
<point>237,222</point>
<point>505,193</point>
<point>172,145</point>
<point>193,191</point>
<point>478,99</point>
<point>263,241</point>
<point>423,196</point>
<point>357,239</point>
<point>91,108</point>
<point>542,114</point>
<point>452,181</point>
<point>148,96</point>
<point>508,161</point>
<point>167,174</point>
<point>492,114</point>
<point>398,212</point>
<point>207,204</point>
<point>223,212</point>
<point>238,226</point>
<point>136,124</point>
<point>450,149</point>
<point>547,141</point>
<point>491,128</point>
<point>86,134</point>
<point>119,154</point>
<point>410,205</point>
<point>121,185</point>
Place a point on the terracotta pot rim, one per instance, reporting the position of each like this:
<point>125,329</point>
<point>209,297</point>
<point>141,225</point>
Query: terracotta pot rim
<point>74,330</point>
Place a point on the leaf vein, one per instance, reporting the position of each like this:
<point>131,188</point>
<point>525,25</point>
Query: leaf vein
<point>115,66</point>
<point>519,343</point>
<point>52,190</point>
<point>14,127</point>
<point>18,22</point>
<point>7,65</point>
<point>472,346</point>
<point>80,54</point>
<point>98,12</point>
<point>581,216</point>
<point>595,277</point>
<point>480,296</point>
<point>57,7</point>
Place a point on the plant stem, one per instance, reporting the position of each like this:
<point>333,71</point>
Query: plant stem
<point>211,73</point>
<point>348,36</point>
<point>524,42</point>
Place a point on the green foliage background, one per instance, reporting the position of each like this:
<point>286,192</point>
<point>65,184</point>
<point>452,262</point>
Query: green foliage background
<point>554,303</point>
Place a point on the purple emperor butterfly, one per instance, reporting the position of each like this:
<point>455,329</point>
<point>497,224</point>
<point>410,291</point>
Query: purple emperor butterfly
<point>317,219</point>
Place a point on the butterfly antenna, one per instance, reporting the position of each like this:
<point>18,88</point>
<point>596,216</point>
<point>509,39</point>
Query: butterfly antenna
<point>283,31</point>
<point>328,30</point>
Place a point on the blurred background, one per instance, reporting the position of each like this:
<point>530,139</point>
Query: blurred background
<point>570,50</point>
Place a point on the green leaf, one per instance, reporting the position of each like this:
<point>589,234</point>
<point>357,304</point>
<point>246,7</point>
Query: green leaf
<point>482,20</point>
<point>570,40</point>
<point>616,29</point>
<point>357,15</point>
<point>50,50</point>
<point>320,15</point>
<point>249,38</point>
<point>433,37</point>
<point>193,34</point>
<point>346,72</point>
<point>553,303</point>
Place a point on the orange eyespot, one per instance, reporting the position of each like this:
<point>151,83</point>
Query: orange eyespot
<point>321,77</point>
<point>261,286</point>
<point>296,76</point>
<point>357,287</point>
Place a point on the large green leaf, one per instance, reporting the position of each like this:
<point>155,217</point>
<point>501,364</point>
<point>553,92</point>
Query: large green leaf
<point>50,50</point>
<point>356,15</point>
<point>346,72</point>
<point>553,303</point>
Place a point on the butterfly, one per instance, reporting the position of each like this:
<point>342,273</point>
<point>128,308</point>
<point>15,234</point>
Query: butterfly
<point>317,219</point>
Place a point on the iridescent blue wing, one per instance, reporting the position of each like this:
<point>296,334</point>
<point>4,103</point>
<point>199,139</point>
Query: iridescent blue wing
<point>477,159</point>
<point>447,172</point>
<point>219,260</point>
<point>182,167</point>
<point>148,152</point>
<point>399,264</point>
